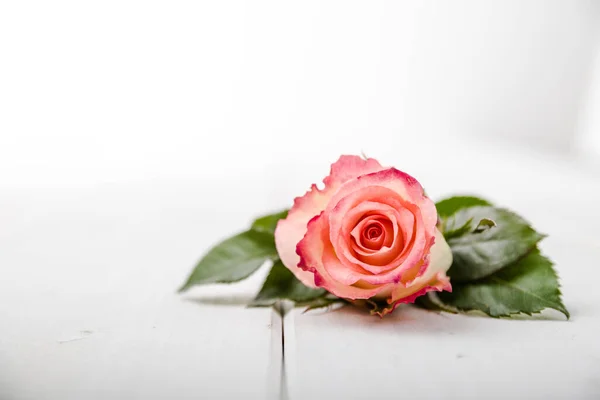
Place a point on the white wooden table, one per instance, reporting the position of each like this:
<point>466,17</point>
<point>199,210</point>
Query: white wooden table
<point>88,308</point>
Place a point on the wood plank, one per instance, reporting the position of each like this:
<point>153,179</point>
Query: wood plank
<point>88,307</point>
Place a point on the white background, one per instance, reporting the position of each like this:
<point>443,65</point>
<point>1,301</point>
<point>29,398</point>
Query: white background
<point>101,92</point>
<point>134,135</point>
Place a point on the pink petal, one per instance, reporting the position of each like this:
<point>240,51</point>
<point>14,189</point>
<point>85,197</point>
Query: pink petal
<point>363,242</point>
<point>434,278</point>
<point>407,188</point>
<point>315,251</point>
<point>395,260</point>
<point>292,229</point>
<point>440,284</point>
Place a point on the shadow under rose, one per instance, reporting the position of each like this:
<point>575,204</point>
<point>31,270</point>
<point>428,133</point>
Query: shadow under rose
<point>406,318</point>
<point>409,319</point>
<point>220,300</point>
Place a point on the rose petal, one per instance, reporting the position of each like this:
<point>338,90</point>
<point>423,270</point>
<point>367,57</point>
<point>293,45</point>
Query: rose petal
<point>440,283</point>
<point>396,261</point>
<point>341,235</point>
<point>434,278</point>
<point>315,251</point>
<point>388,186</point>
<point>368,244</point>
<point>407,188</point>
<point>292,229</point>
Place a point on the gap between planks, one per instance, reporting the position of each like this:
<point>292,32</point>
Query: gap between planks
<point>282,335</point>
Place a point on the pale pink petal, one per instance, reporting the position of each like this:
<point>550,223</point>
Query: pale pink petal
<point>345,268</point>
<point>434,278</point>
<point>407,224</point>
<point>314,250</point>
<point>291,230</point>
<point>344,273</point>
<point>401,191</point>
<point>387,265</point>
<point>440,283</point>
<point>363,214</point>
<point>347,214</point>
<point>407,188</point>
<point>365,237</point>
<point>350,167</point>
<point>348,234</point>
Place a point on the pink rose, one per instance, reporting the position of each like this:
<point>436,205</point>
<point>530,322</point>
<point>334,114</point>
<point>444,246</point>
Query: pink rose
<point>369,234</point>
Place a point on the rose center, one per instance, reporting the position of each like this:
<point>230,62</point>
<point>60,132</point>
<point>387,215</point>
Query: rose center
<point>373,232</point>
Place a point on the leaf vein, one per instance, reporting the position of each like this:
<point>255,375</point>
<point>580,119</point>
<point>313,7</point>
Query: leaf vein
<point>543,300</point>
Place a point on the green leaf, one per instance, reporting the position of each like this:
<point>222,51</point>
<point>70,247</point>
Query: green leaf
<point>268,223</point>
<point>282,284</point>
<point>528,286</point>
<point>484,225</point>
<point>467,227</point>
<point>430,301</point>
<point>450,233</point>
<point>478,254</point>
<point>320,302</point>
<point>451,205</point>
<point>234,259</point>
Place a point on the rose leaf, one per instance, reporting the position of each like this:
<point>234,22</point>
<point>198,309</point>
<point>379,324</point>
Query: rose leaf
<point>282,284</point>
<point>268,223</point>
<point>480,252</point>
<point>528,286</point>
<point>450,232</point>
<point>233,259</point>
<point>430,301</point>
<point>321,302</point>
<point>484,225</point>
<point>451,205</point>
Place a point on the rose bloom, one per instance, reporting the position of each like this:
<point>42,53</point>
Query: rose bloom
<point>370,233</point>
